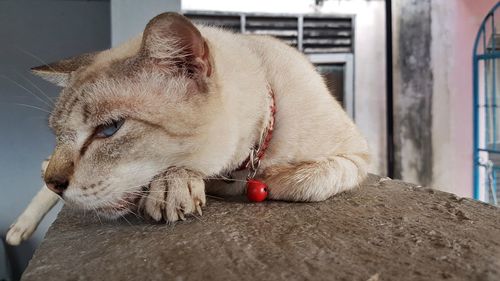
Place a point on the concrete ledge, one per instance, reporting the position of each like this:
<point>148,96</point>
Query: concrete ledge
<point>385,230</point>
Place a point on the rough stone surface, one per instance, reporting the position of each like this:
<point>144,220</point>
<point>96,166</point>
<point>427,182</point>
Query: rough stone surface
<point>384,230</point>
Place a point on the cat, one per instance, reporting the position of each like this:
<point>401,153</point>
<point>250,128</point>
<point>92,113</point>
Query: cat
<point>148,124</point>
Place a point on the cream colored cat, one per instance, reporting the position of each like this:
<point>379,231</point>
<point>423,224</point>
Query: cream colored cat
<point>146,124</point>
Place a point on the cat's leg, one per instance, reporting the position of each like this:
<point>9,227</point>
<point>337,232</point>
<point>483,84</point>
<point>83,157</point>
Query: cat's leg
<point>316,181</point>
<point>26,224</point>
<point>174,194</point>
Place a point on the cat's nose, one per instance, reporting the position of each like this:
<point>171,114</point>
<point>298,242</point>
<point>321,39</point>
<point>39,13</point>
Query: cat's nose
<point>60,170</point>
<point>58,186</point>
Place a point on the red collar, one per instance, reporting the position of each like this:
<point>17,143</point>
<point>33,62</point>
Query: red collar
<point>258,151</point>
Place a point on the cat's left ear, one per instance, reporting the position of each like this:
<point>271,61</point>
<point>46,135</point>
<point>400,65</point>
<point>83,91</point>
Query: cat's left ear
<point>60,72</point>
<point>172,39</point>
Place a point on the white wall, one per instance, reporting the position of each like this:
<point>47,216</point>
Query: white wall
<point>369,66</point>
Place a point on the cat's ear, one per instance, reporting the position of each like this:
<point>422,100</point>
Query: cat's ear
<point>172,38</point>
<point>60,72</point>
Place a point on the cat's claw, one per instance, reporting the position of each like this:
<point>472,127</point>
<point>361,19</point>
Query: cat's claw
<point>181,215</point>
<point>198,208</point>
<point>173,195</point>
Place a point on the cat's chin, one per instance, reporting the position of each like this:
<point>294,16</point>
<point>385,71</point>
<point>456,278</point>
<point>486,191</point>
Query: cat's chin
<point>115,211</point>
<point>112,214</point>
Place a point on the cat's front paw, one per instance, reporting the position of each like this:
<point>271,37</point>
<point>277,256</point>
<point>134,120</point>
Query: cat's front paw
<point>21,230</point>
<point>174,194</point>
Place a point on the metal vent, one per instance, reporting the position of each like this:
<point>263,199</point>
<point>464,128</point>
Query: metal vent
<point>308,33</point>
<point>284,28</point>
<point>231,22</point>
<point>327,35</point>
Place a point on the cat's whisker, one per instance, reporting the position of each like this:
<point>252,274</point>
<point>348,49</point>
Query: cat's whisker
<point>26,89</point>
<point>116,211</point>
<point>132,192</point>
<point>37,58</point>
<point>123,217</point>
<point>226,179</point>
<point>133,226</point>
<point>38,118</point>
<point>97,214</point>
<point>198,218</point>
<point>36,87</point>
<point>29,106</point>
<point>135,214</point>
<point>215,197</point>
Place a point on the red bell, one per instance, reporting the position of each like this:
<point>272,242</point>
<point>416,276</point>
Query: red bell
<point>256,190</point>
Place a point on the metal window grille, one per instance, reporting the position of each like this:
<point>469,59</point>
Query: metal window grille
<point>486,69</point>
<point>312,34</point>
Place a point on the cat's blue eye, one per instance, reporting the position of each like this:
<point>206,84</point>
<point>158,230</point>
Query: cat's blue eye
<point>107,130</point>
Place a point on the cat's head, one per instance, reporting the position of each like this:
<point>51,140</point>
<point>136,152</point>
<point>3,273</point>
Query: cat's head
<point>127,114</point>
